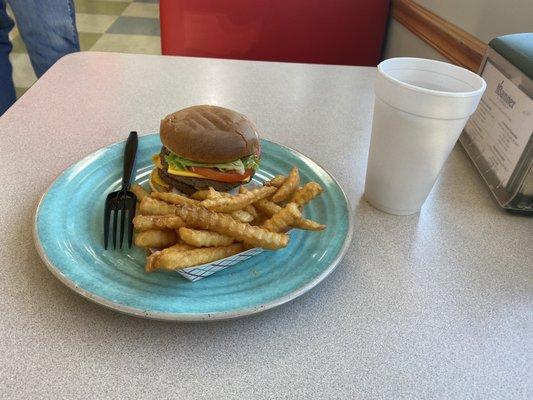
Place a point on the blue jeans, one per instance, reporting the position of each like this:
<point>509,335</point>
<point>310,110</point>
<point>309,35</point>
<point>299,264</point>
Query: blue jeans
<point>48,29</point>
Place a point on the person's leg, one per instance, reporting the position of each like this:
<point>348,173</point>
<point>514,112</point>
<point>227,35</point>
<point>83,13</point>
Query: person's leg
<point>48,28</point>
<point>7,89</point>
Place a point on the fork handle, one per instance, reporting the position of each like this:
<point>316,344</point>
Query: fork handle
<point>129,159</point>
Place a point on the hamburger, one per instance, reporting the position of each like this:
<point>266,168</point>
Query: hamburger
<point>205,146</point>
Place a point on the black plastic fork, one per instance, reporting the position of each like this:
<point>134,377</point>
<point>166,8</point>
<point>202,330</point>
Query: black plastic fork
<point>122,201</point>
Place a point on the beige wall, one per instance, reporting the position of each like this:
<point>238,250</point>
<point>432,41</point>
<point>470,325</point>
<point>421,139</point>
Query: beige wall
<point>485,19</point>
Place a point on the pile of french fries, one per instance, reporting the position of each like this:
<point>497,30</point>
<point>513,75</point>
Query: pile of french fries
<point>181,232</point>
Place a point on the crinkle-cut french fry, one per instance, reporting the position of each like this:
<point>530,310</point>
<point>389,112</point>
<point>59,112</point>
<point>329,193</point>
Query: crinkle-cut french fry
<point>174,260</point>
<point>259,220</point>
<point>239,201</point>
<point>173,198</point>
<point>213,194</point>
<point>250,209</point>
<point>270,208</point>
<point>151,206</point>
<point>147,222</point>
<point>139,191</point>
<point>267,207</point>
<point>277,181</point>
<point>306,193</point>
<point>280,221</point>
<point>155,238</point>
<point>180,247</point>
<point>308,225</point>
<point>174,247</point>
<point>242,216</point>
<point>200,195</point>
<point>198,217</point>
<point>246,215</point>
<point>199,238</point>
<point>288,187</point>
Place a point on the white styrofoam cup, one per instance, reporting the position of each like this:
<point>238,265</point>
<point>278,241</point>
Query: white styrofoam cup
<point>420,109</point>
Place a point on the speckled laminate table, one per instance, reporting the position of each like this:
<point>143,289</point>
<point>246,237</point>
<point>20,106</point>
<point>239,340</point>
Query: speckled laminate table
<point>435,305</point>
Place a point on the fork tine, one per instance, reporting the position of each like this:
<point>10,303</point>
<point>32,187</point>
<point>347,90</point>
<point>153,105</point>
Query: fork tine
<point>107,214</point>
<point>122,219</point>
<point>115,218</point>
<point>131,215</point>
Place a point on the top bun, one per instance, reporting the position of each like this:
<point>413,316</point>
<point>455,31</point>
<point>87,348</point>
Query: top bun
<point>209,134</point>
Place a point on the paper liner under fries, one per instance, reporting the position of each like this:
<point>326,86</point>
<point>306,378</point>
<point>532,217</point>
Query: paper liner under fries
<point>201,271</point>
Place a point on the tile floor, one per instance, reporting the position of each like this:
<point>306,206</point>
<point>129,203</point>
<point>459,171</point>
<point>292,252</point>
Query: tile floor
<point>126,26</point>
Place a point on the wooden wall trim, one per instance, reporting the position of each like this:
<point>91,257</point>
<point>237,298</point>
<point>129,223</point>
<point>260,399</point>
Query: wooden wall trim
<point>452,42</point>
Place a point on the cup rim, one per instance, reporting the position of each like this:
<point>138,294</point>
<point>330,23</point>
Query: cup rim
<point>474,92</point>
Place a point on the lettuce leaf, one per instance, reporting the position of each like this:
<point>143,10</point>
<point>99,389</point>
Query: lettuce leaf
<point>251,162</point>
<point>180,163</point>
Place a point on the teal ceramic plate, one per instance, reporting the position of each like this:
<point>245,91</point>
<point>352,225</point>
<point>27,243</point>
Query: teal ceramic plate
<point>69,235</point>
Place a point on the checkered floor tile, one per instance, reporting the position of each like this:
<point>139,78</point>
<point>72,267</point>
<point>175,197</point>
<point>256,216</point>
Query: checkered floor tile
<point>126,26</point>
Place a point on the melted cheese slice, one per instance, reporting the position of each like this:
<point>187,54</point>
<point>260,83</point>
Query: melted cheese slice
<point>157,161</point>
<point>179,172</point>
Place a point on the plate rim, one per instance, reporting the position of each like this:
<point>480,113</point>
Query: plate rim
<point>190,317</point>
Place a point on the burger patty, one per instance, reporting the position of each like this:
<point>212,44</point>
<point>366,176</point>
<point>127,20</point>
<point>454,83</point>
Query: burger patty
<point>190,185</point>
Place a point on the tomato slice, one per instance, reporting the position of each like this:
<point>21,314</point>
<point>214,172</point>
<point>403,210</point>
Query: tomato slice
<point>216,175</point>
